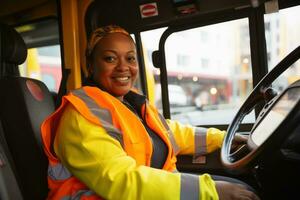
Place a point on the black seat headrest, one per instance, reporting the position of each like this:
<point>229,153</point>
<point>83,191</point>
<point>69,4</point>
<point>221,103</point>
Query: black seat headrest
<point>13,48</point>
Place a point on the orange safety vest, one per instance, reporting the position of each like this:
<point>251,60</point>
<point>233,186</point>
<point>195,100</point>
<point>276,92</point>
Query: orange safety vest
<point>102,109</point>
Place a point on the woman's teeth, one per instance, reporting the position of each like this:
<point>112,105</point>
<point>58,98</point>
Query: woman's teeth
<point>122,78</point>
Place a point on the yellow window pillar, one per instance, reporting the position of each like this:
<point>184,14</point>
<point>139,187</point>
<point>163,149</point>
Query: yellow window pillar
<point>71,38</point>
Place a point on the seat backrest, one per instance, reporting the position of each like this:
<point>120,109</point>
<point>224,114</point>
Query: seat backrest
<point>24,104</point>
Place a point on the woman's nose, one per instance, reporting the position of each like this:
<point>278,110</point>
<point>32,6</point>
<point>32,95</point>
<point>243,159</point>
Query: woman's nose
<point>123,65</point>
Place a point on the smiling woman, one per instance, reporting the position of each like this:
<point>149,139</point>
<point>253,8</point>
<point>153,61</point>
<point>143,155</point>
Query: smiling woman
<point>138,146</point>
<point>111,138</point>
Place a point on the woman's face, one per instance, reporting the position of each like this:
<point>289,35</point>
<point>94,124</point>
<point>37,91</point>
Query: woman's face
<point>114,64</point>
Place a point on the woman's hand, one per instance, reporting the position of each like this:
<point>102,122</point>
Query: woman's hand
<point>239,140</point>
<point>231,191</point>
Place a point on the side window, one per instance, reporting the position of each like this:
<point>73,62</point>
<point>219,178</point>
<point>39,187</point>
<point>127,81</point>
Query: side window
<point>282,36</point>
<point>209,72</point>
<point>44,59</point>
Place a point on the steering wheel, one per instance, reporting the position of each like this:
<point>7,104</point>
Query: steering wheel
<point>245,155</point>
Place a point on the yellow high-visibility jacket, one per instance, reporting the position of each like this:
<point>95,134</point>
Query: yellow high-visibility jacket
<point>102,149</point>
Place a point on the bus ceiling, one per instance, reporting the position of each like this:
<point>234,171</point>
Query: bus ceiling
<point>19,12</point>
<point>137,16</point>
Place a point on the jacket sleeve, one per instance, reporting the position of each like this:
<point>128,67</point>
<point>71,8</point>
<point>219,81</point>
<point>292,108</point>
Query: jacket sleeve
<point>99,161</point>
<point>196,140</point>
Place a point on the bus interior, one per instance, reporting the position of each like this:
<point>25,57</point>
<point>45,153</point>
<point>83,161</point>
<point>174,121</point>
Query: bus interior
<point>228,64</point>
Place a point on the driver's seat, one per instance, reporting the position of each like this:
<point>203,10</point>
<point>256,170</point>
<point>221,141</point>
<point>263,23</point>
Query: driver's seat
<point>24,104</point>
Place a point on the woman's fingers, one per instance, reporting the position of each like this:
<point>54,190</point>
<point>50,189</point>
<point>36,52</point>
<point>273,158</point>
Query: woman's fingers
<point>231,191</point>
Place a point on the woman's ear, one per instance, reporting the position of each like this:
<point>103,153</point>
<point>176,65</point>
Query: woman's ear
<point>90,69</point>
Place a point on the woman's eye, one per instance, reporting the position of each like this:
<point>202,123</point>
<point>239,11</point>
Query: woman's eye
<point>110,59</point>
<point>131,59</point>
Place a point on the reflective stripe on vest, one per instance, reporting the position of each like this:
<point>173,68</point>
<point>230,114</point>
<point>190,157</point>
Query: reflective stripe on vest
<point>79,194</point>
<point>58,172</point>
<point>170,134</point>
<point>189,187</point>
<point>200,141</point>
<point>103,115</point>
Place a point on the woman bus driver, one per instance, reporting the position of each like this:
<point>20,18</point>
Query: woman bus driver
<point>107,142</point>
